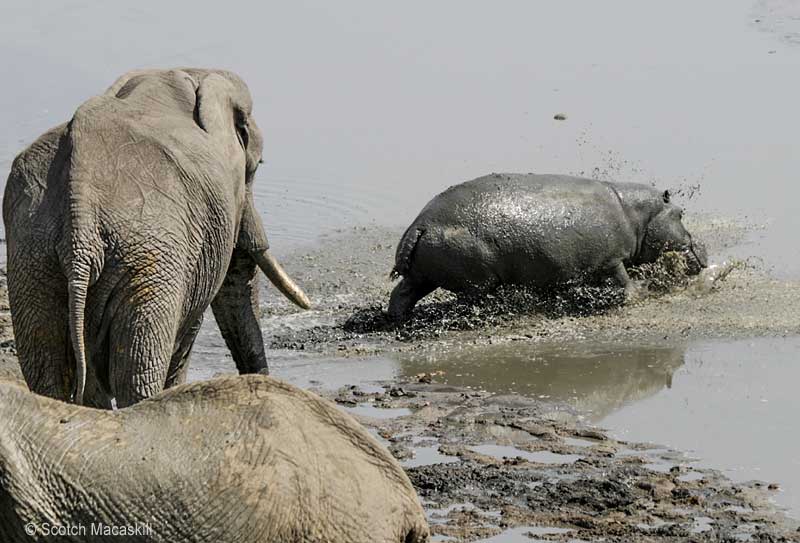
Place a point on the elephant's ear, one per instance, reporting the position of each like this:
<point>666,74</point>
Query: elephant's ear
<point>223,109</point>
<point>215,108</point>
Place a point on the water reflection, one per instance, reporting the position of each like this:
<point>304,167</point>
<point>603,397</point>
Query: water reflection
<point>596,378</point>
<point>734,405</point>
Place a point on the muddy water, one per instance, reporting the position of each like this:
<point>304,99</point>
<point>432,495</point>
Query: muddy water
<point>731,405</point>
<point>368,111</point>
<point>597,379</point>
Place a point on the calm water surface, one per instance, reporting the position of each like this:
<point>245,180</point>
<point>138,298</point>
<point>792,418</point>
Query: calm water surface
<point>369,110</point>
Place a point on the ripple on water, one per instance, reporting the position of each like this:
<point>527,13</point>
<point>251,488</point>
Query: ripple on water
<point>780,18</point>
<point>297,210</point>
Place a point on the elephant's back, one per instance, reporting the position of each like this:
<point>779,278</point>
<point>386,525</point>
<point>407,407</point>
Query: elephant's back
<point>289,455</point>
<point>151,192</point>
<point>149,175</point>
<point>127,156</point>
<point>33,185</point>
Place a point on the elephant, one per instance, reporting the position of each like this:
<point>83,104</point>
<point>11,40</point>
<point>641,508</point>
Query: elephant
<point>124,224</point>
<point>234,459</point>
<point>536,230</point>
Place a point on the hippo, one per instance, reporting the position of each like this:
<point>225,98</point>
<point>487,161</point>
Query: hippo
<point>539,231</point>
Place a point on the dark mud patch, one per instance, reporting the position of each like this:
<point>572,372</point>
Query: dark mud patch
<point>555,472</point>
<point>347,279</point>
<point>496,308</point>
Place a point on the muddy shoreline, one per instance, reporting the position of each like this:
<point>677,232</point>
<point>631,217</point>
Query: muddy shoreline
<point>489,463</point>
<point>498,463</point>
<point>505,464</point>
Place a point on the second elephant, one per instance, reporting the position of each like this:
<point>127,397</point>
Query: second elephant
<point>124,224</point>
<point>232,460</point>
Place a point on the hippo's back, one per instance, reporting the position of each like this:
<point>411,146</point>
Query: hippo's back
<point>518,228</point>
<point>499,199</point>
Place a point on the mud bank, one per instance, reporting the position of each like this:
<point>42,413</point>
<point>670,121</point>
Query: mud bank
<point>487,464</point>
<point>561,475</point>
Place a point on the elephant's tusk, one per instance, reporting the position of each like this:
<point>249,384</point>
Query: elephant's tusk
<point>278,276</point>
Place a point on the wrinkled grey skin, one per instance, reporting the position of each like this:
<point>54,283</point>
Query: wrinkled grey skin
<point>124,224</point>
<point>236,459</point>
<point>536,230</point>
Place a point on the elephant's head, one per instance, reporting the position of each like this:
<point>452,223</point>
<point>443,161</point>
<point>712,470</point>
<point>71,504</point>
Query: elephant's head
<point>665,232</point>
<point>223,108</point>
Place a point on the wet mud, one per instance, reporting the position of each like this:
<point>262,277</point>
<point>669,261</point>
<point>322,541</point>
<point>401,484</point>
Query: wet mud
<point>492,465</point>
<point>347,278</point>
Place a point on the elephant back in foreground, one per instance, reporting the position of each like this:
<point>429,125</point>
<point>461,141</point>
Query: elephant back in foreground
<point>245,459</point>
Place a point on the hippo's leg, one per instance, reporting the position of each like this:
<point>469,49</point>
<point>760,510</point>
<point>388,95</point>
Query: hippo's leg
<point>620,276</point>
<point>405,296</point>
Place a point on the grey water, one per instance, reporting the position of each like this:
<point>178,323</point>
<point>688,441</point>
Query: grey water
<point>369,109</point>
<point>731,405</point>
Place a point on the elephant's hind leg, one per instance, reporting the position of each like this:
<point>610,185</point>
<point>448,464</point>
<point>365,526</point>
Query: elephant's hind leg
<point>179,365</point>
<point>405,296</point>
<point>142,344</point>
<point>41,328</point>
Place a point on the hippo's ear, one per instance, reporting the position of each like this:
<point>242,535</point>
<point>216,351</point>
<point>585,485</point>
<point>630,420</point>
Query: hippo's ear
<point>665,196</point>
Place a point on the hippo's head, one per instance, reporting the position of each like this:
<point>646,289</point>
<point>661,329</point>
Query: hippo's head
<point>665,232</point>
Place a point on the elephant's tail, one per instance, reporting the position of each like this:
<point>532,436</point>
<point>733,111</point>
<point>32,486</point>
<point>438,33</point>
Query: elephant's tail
<point>78,289</point>
<point>81,250</point>
<point>405,251</point>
